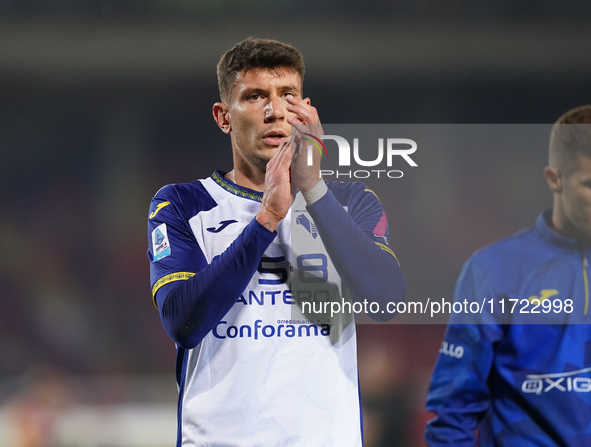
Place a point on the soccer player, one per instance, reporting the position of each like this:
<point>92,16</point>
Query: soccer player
<point>252,369</point>
<point>526,384</point>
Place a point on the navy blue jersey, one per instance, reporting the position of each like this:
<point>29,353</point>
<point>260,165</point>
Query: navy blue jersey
<point>518,384</point>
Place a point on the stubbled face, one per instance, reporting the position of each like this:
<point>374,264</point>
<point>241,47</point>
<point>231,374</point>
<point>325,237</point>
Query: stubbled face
<point>576,200</point>
<point>257,113</point>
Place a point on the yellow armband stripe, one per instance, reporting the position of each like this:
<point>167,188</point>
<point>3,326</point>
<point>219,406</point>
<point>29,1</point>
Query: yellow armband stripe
<point>178,276</point>
<point>389,250</point>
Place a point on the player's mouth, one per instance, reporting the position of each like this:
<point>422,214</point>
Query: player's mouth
<point>274,137</point>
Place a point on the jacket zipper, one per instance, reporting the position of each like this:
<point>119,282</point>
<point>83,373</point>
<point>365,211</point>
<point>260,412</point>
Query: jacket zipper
<point>586,279</point>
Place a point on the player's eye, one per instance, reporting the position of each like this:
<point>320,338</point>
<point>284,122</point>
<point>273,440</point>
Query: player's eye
<point>289,94</point>
<point>253,97</point>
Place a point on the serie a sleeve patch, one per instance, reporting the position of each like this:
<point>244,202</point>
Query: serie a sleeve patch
<point>160,243</point>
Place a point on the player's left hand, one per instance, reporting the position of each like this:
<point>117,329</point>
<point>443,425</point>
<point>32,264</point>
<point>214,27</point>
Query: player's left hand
<point>308,127</point>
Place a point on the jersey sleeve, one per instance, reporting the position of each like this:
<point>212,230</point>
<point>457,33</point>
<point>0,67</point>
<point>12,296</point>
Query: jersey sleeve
<point>172,249</point>
<point>368,213</point>
<point>356,239</point>
<point>458,394</point>
<point>191,294</point>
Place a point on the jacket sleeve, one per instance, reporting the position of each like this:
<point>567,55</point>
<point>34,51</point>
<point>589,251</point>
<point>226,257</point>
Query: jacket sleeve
<point>190,294</point>
<point>458,394</point>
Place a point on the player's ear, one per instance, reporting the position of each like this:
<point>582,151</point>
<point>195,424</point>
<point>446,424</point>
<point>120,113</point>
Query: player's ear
<point>553,178</point>
<point>220,115</point>
<point>307,101</point>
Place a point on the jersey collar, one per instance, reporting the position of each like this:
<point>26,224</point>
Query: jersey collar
<point>547,233</point>
<point>233,188</point>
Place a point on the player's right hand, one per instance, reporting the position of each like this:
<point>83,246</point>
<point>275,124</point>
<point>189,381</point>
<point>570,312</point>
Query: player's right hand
<point>307,124</point>
<point>277,193</point>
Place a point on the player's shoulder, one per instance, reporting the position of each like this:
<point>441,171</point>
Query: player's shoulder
<point>510,252</point>
<point>345,187</point>
<point>184,198</point>
<point>180,191</point>
<point>351,191</point>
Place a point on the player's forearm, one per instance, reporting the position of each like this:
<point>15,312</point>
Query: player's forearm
<point>457,409</point>
<point>192,308</point>
<point>369,272</point>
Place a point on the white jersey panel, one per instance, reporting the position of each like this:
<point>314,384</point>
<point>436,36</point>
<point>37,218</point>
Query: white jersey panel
<point>258,379</point>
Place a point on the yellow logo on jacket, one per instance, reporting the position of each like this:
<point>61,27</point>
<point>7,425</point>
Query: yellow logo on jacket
<point>544,295</point>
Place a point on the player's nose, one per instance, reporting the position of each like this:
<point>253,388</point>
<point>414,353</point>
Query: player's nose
<point>274,109</point>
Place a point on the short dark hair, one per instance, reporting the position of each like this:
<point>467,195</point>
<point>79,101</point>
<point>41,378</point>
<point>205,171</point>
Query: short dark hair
<point>570,137</point>
<point>256,53</point>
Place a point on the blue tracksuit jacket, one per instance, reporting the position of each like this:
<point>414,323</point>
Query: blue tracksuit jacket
<point>516,383</point>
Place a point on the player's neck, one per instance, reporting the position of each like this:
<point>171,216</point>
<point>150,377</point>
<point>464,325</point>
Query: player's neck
<point>563,226</point>
<point>248,178</point>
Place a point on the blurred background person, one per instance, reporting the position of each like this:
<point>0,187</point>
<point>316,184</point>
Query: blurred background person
<point>520,374</point>
<point>34,413</point>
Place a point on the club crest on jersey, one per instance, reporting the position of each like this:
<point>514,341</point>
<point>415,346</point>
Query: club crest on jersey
<point>307,224</point>
<point>160,244</point>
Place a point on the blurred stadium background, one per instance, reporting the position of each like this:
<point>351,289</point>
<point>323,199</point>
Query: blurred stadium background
<point>102,102</point>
